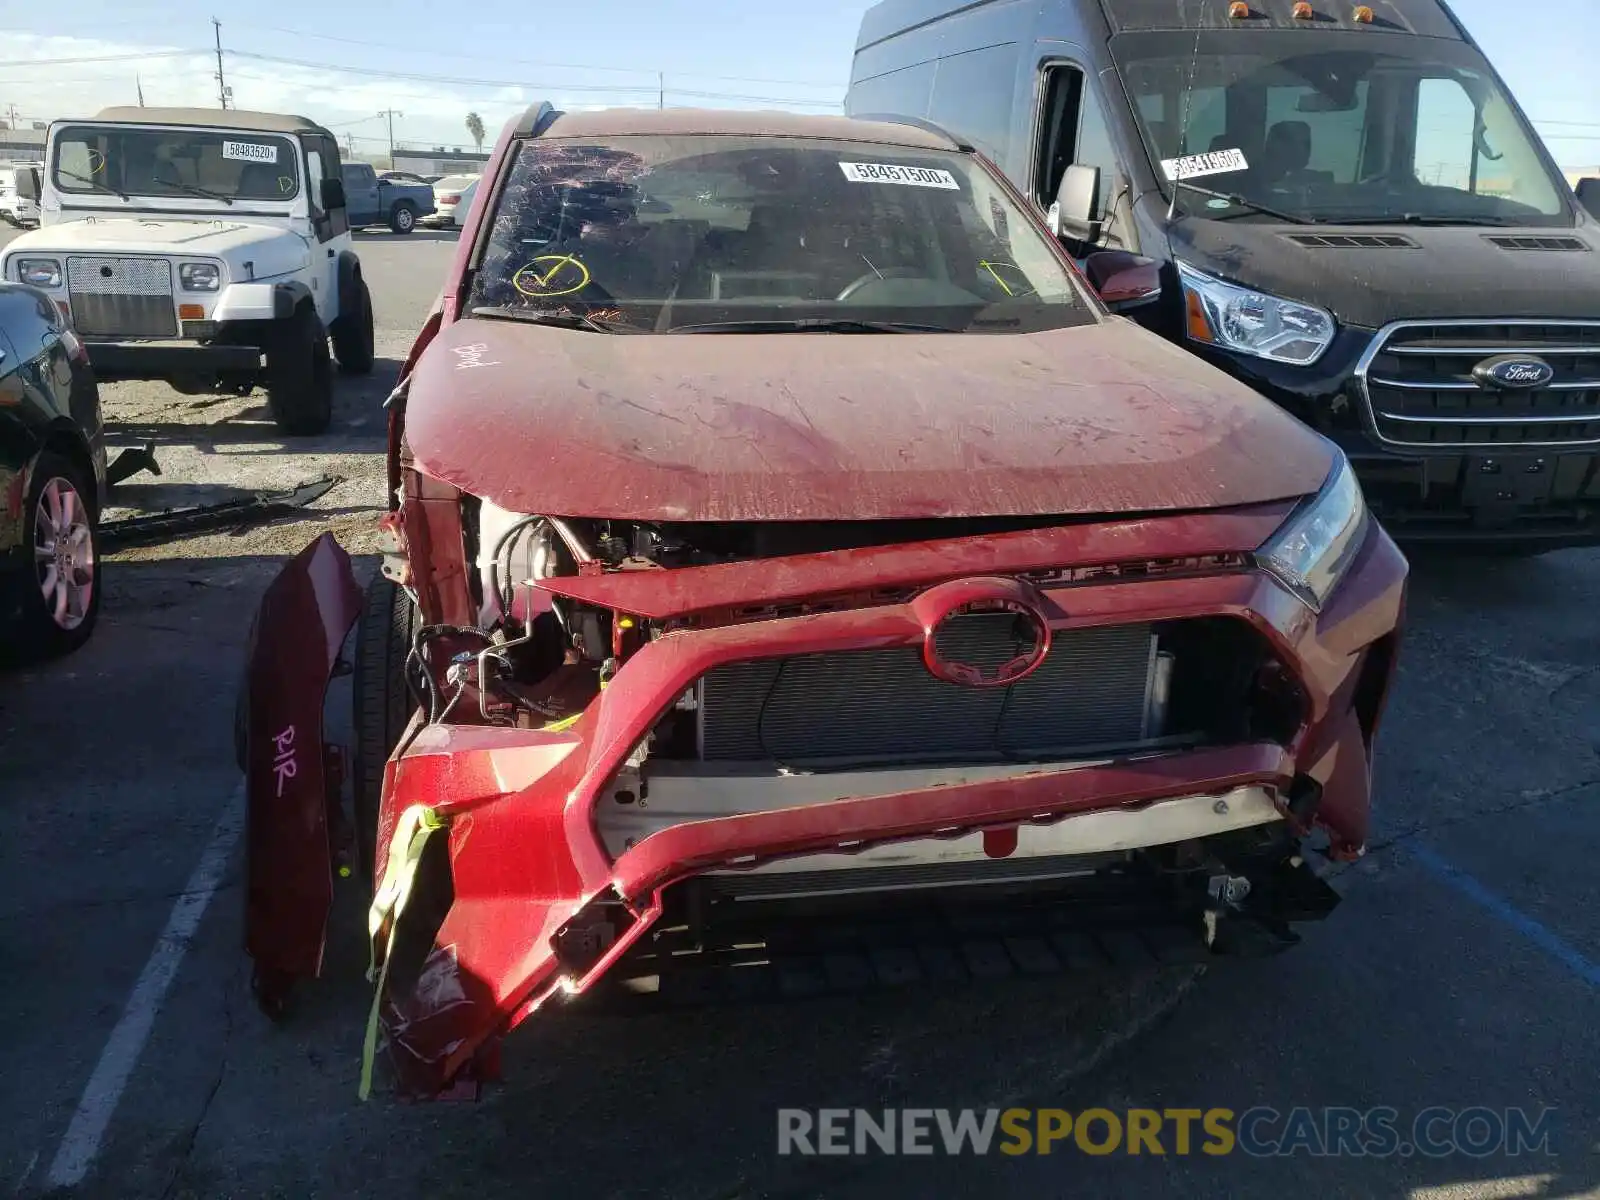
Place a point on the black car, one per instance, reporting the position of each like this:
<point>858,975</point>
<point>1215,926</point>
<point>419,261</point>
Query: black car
<point>52,480</point>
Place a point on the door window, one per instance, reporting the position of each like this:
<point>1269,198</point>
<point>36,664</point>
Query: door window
<point>1074,131</point>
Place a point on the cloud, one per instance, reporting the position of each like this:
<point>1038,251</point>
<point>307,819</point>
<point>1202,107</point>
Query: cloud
<point>433,112</point>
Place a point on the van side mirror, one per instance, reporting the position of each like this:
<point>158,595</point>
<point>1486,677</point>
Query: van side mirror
<point>28,184</point>
<point>1589,195</point>
<point>1076,211</point>
<point>1123,280</point>
<point>332,194</point>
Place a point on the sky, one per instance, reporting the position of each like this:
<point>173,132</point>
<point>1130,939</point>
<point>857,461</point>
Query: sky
<point>345,63</point>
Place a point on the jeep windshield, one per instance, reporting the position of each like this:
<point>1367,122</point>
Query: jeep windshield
<point>721,233</point>
<point>1338,126</point>
<point>208,165</point>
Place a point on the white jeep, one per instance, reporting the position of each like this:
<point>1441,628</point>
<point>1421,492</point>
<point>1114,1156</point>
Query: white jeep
<point>205,247</point>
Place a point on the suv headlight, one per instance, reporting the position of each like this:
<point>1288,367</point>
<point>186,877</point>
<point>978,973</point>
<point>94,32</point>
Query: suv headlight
<point>1237,318</point>
<point>1317,544</point>
<point>199,277</point>
<point>40,272</point>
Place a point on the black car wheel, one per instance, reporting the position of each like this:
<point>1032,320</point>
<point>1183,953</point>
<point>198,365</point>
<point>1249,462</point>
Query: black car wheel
<point>300,375</point>
<point>60,591</point>
<point>381,701</point>
<point>404,217</point>
<point>352,335</point>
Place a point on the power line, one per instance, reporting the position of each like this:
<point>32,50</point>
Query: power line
<point>103,58</point>
<point>461,81</point>
<point>527,62</point>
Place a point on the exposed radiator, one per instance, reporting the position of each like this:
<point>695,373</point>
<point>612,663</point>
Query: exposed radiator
<point>1092,692</point>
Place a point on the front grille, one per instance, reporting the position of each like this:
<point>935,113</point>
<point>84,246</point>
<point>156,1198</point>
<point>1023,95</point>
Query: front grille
<point>1090,693</point>
<point>1417,381</point>
<point>122,297</point>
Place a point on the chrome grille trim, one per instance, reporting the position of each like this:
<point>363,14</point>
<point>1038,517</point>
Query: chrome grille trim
<point>1521,420</point>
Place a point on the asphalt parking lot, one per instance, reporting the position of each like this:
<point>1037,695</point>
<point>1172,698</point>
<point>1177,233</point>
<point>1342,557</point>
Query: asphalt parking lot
<point>1461,970</point>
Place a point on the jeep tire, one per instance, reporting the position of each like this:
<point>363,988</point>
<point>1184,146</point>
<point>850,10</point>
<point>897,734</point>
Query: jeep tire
<point>300,374</point>
<point>352,334</point>
<point>403,217</point>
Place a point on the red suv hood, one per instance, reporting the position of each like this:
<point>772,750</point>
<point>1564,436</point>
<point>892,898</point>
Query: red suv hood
<point>810,426</point>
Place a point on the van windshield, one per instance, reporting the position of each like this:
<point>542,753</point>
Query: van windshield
<point>720,233</point>
<point>203,164</point>
<point>1339,126</point>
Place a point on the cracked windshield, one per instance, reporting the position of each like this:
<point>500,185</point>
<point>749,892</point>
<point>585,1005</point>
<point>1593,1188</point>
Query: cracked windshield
<point>699,233</point>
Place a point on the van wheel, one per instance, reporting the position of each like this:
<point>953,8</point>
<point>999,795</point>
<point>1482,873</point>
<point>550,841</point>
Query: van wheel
<point>300,375</point>
<point>404,217</point>
<point>352,334</point>
<point>59,600</point>
<point>381,701</point>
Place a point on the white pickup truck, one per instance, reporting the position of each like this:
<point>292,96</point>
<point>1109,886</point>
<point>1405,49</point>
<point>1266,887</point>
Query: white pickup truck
<point>208,248</point>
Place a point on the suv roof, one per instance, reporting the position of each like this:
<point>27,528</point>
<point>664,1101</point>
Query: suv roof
<point>615,122</point>
<point>209,118</point>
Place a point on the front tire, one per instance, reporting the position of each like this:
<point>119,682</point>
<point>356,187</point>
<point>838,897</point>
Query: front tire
<point>300,375</point>
<point>59,602</point>
<point>404,217</point>
<point>382,704</point>
<point>352,335</point>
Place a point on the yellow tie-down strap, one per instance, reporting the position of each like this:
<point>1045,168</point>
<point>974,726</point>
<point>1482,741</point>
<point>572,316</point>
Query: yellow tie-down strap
<point>411,833</point>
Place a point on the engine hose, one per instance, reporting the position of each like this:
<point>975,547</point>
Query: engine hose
<point>500,546</point>
<point>419,643</point>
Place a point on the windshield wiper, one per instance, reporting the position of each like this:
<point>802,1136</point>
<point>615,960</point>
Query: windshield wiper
<point>813,325</point>
<point>563,319</point>
<point>1413,218</point>
<point>94,183</point>
<point>1244,202</point>
<point>196,190</point>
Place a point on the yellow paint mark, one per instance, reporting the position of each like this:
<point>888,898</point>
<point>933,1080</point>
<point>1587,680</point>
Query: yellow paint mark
<point>990,267</point>
<point>551,275</point>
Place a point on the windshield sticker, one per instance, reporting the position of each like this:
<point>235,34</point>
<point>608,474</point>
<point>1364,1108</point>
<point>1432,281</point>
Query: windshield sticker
<point>249,152</point>
<point>1193,166</point>
<point>891,173</point>
<point>551,275</point>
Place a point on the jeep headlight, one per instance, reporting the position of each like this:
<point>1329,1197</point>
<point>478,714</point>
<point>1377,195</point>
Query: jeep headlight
<point>1250,322</point>
<point>1317,544</point>
<point>199,276</point>
<point>39,272</point>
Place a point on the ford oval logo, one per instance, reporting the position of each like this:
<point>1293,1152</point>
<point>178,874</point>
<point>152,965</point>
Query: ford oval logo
<point>938,606</point>
<point>1514,372</point>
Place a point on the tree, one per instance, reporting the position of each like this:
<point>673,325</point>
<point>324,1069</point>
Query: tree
<point>475,129</point>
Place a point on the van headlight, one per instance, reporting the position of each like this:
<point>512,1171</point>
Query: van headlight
<point>39,272</point>
<point>1319,541</point>
<point>1236,318</point>
<point>199,277</point>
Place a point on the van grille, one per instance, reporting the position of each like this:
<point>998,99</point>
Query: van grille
<point>1417,382</point>
<point>1090,693</point>
<point>121,297</point>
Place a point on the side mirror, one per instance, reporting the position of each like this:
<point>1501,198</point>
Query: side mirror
<point>1076,211</point>
<point>28,184</point>
<point>332,194</point>
<point>1589,195</point>
<point>1123,280</point>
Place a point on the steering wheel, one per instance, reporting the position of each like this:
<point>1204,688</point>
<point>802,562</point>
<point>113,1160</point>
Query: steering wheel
<point>850,289</point>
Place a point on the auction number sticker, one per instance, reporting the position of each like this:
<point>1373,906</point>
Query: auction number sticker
<point>250,152</point>
<point>892,173</point>
<point>1193,166</point>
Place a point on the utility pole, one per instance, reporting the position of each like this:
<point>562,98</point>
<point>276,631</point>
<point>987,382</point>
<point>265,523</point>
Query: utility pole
<point>222,84</point>
<point>661,89</point>
<point>139,86</point>
<point>391,114</point>
<point>11,112</point>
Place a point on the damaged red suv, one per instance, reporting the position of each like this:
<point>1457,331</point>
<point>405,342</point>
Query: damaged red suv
<point>797,578</point>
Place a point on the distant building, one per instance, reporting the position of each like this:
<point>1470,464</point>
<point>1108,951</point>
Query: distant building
<point>441,160</point>
<point>22,145</point>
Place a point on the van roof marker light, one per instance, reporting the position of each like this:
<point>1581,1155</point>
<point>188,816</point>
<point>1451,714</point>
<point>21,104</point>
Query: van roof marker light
<point>1362,15</point>
<point>1239,11</point>
<point>1302,11</point>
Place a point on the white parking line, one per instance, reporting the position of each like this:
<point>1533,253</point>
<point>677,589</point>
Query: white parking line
<point>81,1142</point>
